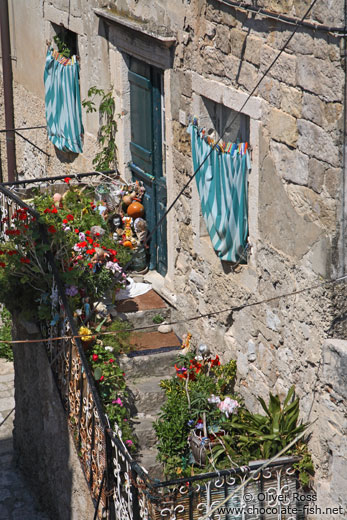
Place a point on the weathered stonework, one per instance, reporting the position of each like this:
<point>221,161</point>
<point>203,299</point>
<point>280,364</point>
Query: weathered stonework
<point>296,120</point>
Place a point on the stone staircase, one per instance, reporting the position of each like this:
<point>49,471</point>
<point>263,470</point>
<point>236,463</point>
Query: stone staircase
<point>152,359</point>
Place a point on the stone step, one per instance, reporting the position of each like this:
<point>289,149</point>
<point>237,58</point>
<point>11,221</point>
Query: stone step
<point>152,342</point>
<point>144,431</point>
<point>141,311</point>
<point>147,459</point>
<point>152,364</point>
<point>146,394</point>
<point>144,318</point>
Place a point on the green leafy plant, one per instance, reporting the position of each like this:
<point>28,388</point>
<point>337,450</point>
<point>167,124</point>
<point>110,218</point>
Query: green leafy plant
<point>62,46</point>
<point>5,335</point>
<point>112,389</point>
<point>158,318</point>
<point>200,402</point>
<point>107,157</point>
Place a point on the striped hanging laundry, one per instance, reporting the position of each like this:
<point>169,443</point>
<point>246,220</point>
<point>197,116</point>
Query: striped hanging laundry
<point>222,186</point>
<point>63,102</point>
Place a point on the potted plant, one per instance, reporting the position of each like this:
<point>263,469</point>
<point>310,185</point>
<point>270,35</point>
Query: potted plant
<point>204,426</point>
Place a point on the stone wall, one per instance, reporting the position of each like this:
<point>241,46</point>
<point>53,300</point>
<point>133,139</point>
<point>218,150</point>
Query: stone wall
<point>29,33</point>
<point>43,446</point>
<point>295,186</point>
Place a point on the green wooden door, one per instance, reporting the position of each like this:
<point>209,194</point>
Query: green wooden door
<point>146,152</point>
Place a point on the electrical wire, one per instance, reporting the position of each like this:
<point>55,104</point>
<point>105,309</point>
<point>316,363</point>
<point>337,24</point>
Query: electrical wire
<point>193,318</point>
<point>163,217</point>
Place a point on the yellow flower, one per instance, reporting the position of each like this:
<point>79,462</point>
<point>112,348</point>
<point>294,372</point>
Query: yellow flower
<point>85,333</point>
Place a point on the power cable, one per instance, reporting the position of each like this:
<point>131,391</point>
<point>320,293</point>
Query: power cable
<point>163,217</point>
<point>193,318</point>
<point>22,128</point>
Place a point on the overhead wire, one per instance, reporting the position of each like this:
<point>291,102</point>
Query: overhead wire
<point>213,147</point>
<point>193,318</point>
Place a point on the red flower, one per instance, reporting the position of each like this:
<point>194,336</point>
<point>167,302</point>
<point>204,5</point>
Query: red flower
<point>14,252</point>
<point>112,251</point>
<point>87,233</point>
<point>70,217</point>
<point>47,210</point>
<point>65,221</point>
<point>90,265</point>
<point>215,362</point>
<point>101,378</point>
<point>95,357</point>
<point>82,244</point>
<point>25,226</point>
<point>77,230</point>
<point>111,360</point>
<point>2,264</point>
<point>67,180</point>
<point>54,210</point>
<point>25,260</point>
<point>2,252</point>
<point>90,251</point>
<point>96,244</point>
<point>90,240</point>
<point>23,216</point>
<point>51,229</point>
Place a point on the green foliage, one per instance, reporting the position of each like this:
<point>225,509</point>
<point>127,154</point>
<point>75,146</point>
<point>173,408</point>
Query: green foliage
<point>187,402</point>
<point>172,426</point>
<point>106,159</point>
<point>254,436</point>
<point>111,385</point>
<point>158,318</point>
<point>238,437</point>
<point>5,335</point>
<point>62,47</point>
<point>120,341</point>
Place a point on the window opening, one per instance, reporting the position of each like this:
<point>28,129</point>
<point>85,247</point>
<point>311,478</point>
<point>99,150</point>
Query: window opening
<point>66,41</point>
<point>218,122</point>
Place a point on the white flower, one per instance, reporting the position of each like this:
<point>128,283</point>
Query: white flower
<point>81,236</point>
<point>110,349</point>
<point>214,399</point>
<point>228,406</point>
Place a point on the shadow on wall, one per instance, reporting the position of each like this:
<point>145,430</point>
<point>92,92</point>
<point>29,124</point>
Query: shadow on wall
<point>65,157</point>
<point>42,443</point>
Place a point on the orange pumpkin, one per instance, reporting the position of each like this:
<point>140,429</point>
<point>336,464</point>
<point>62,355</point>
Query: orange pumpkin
<point>136,210</point>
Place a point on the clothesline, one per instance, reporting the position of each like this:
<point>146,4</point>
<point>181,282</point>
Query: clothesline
<point>221,146</point>
<point>63,60</point>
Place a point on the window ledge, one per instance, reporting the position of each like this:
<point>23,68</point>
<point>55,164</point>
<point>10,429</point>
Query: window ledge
<point>138,25</point>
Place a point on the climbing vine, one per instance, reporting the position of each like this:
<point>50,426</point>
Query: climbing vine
<point>106,158</point>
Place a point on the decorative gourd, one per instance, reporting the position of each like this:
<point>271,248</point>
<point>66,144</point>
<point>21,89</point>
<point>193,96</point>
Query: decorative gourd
<point>127,243</point>
<point>127,200</point>
<point>135,210</point>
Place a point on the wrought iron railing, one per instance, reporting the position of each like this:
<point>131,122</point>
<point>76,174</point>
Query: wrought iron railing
<point>120,487</point>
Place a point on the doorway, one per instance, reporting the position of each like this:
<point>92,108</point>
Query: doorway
<point>147,147</point>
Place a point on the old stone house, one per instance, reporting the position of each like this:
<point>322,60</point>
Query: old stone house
<point>203,58</point>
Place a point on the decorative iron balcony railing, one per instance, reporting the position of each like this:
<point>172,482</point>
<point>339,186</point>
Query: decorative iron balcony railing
<point>121,489</point>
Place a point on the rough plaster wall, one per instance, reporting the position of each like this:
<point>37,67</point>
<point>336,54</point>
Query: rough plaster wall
<point>296,203</point>
<point>43,445</point>
<point>300,169</point>
<point>31,22</point>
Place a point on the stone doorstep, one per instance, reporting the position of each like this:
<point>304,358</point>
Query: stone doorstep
<point>146,302</point>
